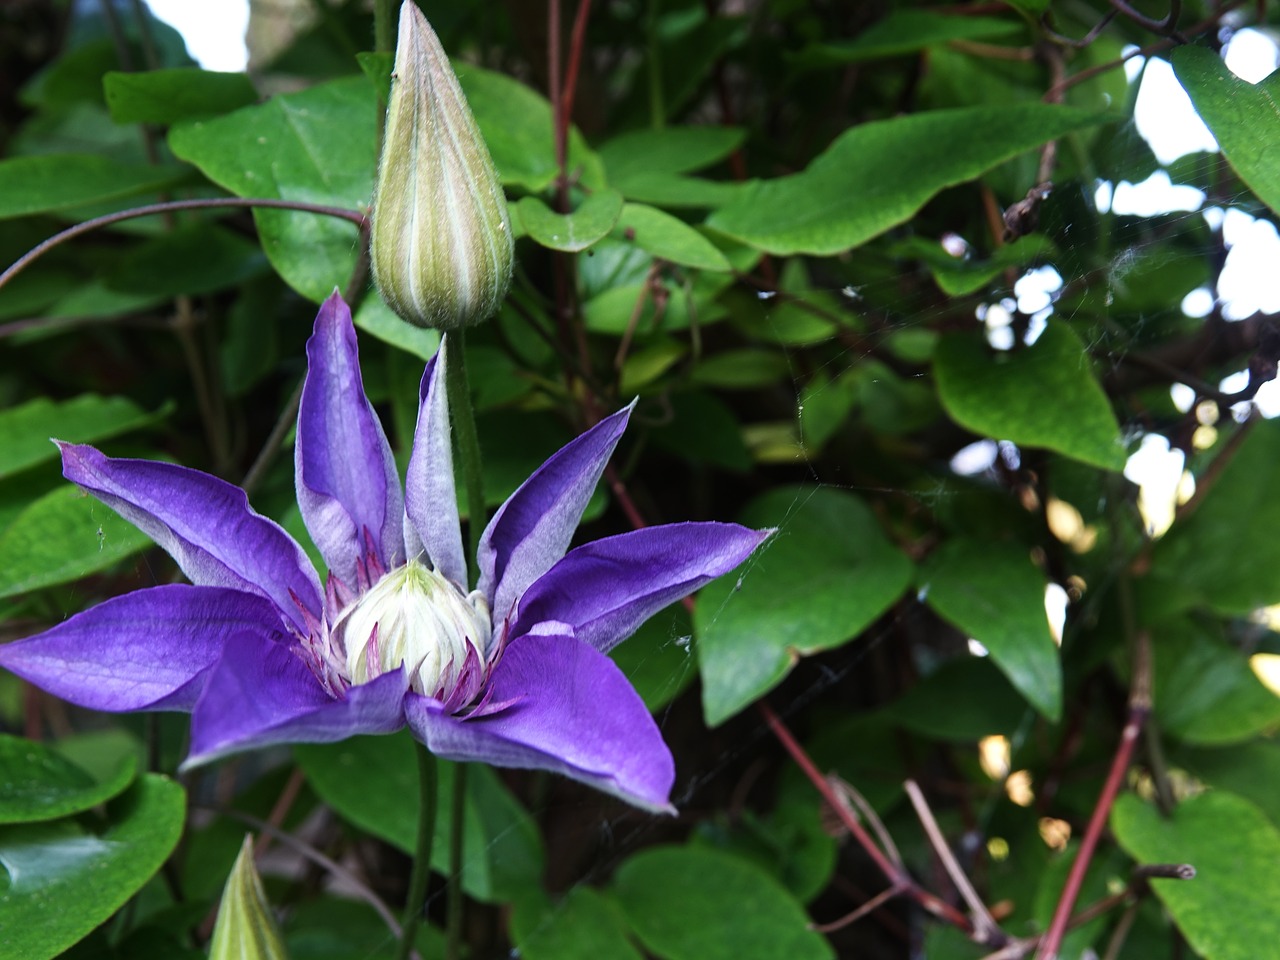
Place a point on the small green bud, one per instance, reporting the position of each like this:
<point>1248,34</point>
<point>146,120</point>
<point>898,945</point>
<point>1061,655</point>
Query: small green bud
<point>441,247</point>
<point>245,929</point>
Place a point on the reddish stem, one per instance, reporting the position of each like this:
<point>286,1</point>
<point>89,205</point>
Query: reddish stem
<point>1139,707</point>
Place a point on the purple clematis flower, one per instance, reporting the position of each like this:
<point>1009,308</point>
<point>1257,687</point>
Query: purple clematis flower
<point>513,673</point>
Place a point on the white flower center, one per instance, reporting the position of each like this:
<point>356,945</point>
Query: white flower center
<point>415,617</point>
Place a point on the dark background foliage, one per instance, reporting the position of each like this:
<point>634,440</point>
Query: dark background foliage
<point>793,229</point>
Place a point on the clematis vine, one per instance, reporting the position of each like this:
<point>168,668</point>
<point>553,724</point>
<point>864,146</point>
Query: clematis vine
<point>514,672</point>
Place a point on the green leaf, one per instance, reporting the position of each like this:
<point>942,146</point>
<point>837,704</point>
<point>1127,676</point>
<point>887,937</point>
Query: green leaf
<point>1200,558</point>
<point>583,926</point>
<point>25,430</point>
<point>317,146</point>
<point>570,232</point>
<point>1228,911</point>
<point>516,123</point>
<point>1243,117</point>
<point>658,658</point>
<point>825,576</point>
<point>906,31</point>
<point>963,700</point>
<point>1044,395</point>
<point>64,880</point>
<point>42,784</point>
<point>703,429</point>
<point>879,174</point>
<point>1251,770</point>
<point>994,593</point>
<point>195,258</point>
<point>374,317</point>
<point>960,276</point>
<point>60,537</point>
<point>670,150</point>
<point>333,928</point>
<point>373,783</point>
<point>741,369</point>
<point>666,237</point>
<point>688,903</point>
<point>1205,692</point>
<point>45,184</point>
<point>166,96</point>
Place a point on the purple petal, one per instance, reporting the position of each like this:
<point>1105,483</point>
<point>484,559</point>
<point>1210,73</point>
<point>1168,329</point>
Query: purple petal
<point>532,530</point>
<point>261,693</point>
<point>348,489</point>
<point>570,710</point>
<point>430,503</point>
<point>205,524</point>
<point>147,650</point>
<point>607,588</point>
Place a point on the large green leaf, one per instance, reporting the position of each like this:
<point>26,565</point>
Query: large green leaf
<point>584,926</point>
<point>26,429</point>
<point>823,578</point>
<point>669,238</point>
<point>195,258</point>
<point>42,784</point>
<point>317,146</point>
<point>166,96</point>
<point>906,31</point>
<point>669,150</point>
<point>877,175</point>
<point>1205,692</point>
<point>691,903</point>
<point>1228,911</point>
<point>1044,395</point>
<point>994,593</point>
<point>373,783</point>
<point>1244,117</point>
<point>65,879</point>
<point>62,536</point>
<point>575,231</point>
<point>1200,558</point>
<point>44,184</point>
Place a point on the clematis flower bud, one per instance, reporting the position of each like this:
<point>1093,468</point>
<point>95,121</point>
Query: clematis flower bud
<point>441,247</point>
<point>245,929</point>
<point>415,617</point>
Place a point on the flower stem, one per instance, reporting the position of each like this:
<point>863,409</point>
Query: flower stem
<point>422,859</point>
<point>457,826</point>
<point>464,424</point>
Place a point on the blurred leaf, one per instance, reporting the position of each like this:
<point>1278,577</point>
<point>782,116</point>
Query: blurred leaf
<point>960,276</point>
<point>669,150</point>
<point>374,317</point>
<point>668,238</point>
<point>583,926</point>
<point>1205,692</point>
<point>287,149</point>
<point>878,174</point>
<point>199,257</point>
<point>516,124</point>
<point>741,369</point>
<point>373,783</point>
<point>658,658</point>
<point>60,537</point>
<point>1200,558</point>
<point>964,699</point>
<point>995,594</point>
<point>64,879</point>
<point>687,903</point>
<point>166,96</point>
<point>701,428</point>
<point>648,364</point>
<point>825,576</point>
<point>1243,117</point>
<point>1044,395</point>
<point>906,31</point>
<point>57,182</point>
<point>332,928</point>
<point>1227,911</point>
<point>571,232</point>
<point>42,784</point>
<point>26,429</point>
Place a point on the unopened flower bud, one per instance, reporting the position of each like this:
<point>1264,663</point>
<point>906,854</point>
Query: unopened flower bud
<point>441,247</point>
<point>245,929</point>
<point>416,618</point>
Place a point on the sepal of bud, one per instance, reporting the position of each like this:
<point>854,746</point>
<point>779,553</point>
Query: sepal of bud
<point>441,242</point>
<point>245,930</point>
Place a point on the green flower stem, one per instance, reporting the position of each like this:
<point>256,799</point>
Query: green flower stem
<point>384,25</point>
<point>457,827</point>
<point>463,417</point>
<point>422,859</point>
